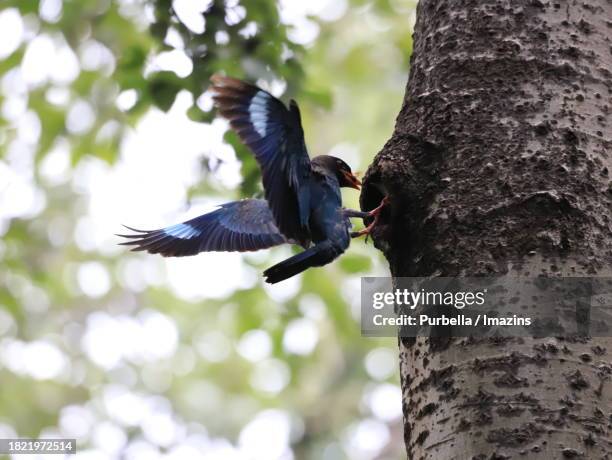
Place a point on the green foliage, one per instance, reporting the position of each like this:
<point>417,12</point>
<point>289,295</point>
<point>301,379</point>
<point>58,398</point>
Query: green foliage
<point>349,84</point>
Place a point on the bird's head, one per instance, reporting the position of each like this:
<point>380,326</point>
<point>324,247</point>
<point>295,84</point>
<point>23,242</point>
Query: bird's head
<point>337,167</point>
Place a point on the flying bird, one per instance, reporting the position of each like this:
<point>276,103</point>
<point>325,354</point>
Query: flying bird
<point>302,202</point>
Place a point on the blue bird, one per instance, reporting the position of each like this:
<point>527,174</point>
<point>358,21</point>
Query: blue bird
<point>302,202</point>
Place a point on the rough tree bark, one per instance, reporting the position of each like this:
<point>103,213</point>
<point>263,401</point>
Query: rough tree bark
<point>500,164</point>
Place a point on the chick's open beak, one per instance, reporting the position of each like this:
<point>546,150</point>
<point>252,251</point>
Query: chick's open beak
<point>352,180</point>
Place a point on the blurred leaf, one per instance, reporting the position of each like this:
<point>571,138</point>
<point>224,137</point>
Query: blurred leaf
<point>163,87</point>
<point>196,114</point>
<point>355,263</point>
<point>322,98</point>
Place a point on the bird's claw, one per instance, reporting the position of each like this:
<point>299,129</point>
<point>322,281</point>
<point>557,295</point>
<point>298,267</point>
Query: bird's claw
<point>373,213</point>
<point>366,231</point>
<point>377,210</point>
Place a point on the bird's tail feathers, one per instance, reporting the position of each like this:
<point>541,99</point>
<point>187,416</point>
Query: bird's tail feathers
<point>316,256</point>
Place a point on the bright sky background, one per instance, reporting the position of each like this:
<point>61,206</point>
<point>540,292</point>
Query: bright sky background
<point>146,189</point>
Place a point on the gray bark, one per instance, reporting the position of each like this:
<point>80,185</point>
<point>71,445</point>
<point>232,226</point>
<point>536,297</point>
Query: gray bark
<point>500,163</point>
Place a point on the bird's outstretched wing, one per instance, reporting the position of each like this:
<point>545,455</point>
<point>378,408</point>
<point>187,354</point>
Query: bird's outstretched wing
<point>245,225</point>
<point>274,134</point>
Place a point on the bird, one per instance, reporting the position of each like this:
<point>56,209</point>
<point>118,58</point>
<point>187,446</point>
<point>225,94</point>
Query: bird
<point>302,204</point>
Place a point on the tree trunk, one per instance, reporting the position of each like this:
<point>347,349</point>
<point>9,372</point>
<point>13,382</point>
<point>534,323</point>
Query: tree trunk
<point>500,164</point>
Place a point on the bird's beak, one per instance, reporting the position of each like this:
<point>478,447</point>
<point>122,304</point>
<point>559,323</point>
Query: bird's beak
<point>352,180</point>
